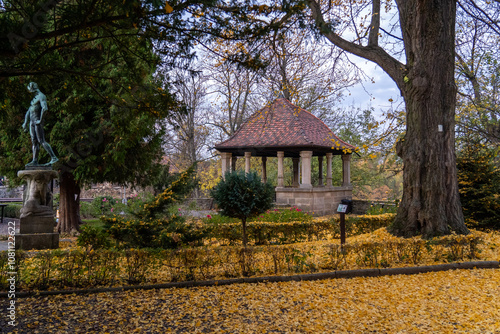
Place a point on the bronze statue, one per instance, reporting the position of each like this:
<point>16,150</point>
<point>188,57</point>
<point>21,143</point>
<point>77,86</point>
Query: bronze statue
<point>34,116</point>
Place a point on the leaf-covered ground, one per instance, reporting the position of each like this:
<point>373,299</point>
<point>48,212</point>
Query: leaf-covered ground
<point>466,301</point>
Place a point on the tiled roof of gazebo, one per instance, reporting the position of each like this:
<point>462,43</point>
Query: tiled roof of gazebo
<point>284,126</point>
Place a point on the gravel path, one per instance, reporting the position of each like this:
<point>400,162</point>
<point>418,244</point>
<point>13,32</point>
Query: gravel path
<point>4,231</point>
<point>4,226</point>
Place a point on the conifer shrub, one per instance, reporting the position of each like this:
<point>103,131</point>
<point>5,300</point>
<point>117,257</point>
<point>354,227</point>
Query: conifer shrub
<point>242,195</point>
<point>155,225</point>
<point>479,186</point>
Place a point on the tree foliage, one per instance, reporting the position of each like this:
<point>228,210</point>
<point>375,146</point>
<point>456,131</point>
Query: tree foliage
<point>155,225</point>
<point>478,74</point>
<point>242,195</point>
<point>479,181</point>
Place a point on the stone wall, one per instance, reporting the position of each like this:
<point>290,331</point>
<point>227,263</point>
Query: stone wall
<point>6,192</point>
<point>318,201</point>
<point>109,189</point>
<point>200,203</point>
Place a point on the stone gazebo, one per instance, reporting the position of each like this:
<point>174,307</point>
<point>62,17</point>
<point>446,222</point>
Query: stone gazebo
<point>284,130</point>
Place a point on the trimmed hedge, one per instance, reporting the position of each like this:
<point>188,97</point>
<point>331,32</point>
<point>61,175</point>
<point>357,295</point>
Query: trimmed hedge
<point>88,268</point>
<point>260,233</point>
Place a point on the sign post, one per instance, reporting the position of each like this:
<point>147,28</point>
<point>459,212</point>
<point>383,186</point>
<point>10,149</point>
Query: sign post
<point>342,209</point>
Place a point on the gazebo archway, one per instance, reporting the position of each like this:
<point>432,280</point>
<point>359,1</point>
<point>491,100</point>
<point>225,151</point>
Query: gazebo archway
<point>284,130</point>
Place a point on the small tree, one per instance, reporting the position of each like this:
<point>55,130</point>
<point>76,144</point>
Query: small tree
<point>479,184</point>
<point>241,195</point>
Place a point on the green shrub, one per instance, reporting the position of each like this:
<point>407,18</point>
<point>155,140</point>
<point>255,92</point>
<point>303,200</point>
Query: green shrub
<point>283,215</point>
<point>379,209</point>
<point>102,205</point>
<point>93,221</point>
<point>177,191</point>
<point>13,210</point>
<point>93,237</point>
<point>242,195</point>
<point>273,215</point>
<point>217,219</point>
<point>362,224</point>
<point>261,233</point>
<point>164,233</point>
<point>87,210</point>
<point>295,231</point>
<point>136,203</point>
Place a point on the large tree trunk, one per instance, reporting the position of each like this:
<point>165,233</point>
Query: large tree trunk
<point>69,204</point>
<point>431,203</point>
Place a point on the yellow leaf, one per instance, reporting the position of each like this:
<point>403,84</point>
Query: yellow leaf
<point>168,8</point>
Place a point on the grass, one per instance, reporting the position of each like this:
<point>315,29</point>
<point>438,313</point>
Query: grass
<point>93,221</point>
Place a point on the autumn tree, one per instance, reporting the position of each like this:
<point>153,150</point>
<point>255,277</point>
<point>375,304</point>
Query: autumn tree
<point>188,131</point>
<point>296,60</point>
<point>233,94</point>
<point>478,76</point>
<point>293,62</point>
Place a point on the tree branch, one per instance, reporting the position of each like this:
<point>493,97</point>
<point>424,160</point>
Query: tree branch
<point>374,24</point>
<point>376,54</point>
<point>490,22</point>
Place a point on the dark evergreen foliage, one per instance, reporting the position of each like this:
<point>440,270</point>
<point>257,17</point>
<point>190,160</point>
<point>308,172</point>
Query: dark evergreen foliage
<point>479,182</point>
<point>241,195</point>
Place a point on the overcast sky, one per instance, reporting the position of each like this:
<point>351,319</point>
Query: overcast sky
<point>377,94</point>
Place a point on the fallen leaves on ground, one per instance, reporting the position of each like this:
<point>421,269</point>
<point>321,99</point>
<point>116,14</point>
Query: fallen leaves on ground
<point>460,301</point>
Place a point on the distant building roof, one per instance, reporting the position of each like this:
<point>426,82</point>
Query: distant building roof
<point>282,126</point>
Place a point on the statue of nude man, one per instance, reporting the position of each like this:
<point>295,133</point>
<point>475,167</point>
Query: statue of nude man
<point>34,116</point>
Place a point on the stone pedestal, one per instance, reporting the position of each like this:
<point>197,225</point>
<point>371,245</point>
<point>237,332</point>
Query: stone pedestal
<point>36,230</point>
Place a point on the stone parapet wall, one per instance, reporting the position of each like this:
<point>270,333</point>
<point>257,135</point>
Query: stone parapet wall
<point>318,201</point>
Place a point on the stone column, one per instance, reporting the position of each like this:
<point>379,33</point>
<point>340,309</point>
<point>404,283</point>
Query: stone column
<point>329,169</point>
<point>295,171</point>
<point>225,162</point>
<point>306,156</point>
<point>320,171</point>
<point>37,222</point>
<point>281,155</point>
<point>248,155</point>
<point>264,169</point>
<point>346,170</point>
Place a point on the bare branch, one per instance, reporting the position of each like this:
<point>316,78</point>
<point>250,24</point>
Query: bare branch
<point>485,18</point>
<point>374,24</point>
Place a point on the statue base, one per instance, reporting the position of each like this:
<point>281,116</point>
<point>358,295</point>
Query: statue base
<point>33,224</point>
<point>36,227</point>
<point>37,241</point>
